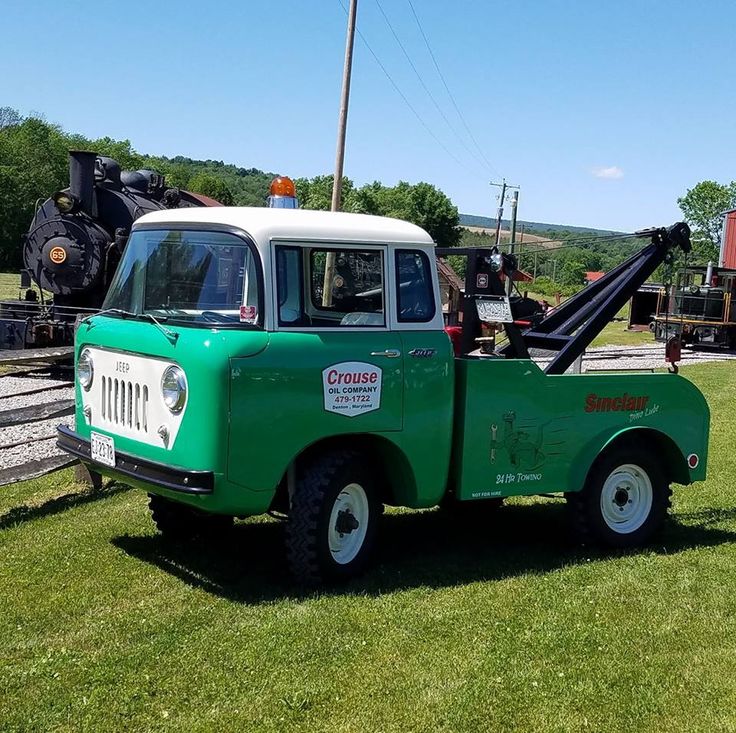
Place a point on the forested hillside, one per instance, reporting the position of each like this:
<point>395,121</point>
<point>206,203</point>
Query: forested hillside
<point>34,164</point>
<point>534,227</point>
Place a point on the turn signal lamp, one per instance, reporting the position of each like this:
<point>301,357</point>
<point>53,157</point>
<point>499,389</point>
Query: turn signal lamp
<point>282,194</point>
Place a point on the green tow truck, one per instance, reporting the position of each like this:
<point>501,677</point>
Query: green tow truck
<point>252,360</point>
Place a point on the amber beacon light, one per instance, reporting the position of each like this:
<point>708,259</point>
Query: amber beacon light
<point>282,194</point>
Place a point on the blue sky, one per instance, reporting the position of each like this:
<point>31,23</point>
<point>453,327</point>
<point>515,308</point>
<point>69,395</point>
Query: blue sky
<point>603,112</point>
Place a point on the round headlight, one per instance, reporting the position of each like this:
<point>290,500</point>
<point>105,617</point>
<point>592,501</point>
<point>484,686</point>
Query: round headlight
<point>85,369</point>
<point>174,388</point>
<point>64,202</point>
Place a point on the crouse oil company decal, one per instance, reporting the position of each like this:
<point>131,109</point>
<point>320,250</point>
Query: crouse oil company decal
<point>352,388</point>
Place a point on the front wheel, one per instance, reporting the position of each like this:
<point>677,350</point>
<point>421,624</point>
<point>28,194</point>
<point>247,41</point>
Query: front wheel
<point>333,518</point>
<point>624,500</point>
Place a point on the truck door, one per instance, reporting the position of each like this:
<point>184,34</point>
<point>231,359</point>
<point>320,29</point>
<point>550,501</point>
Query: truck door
<point>428,369</point>
<point>333,349</point>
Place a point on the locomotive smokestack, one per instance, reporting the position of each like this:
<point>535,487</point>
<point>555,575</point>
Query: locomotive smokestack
<point>82,179</point>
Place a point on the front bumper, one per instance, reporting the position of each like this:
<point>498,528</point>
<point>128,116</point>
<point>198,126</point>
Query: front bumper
<point>149,472</point>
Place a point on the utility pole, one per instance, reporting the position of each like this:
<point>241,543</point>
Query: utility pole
<point>499,216</point>
<point>342,124</point>
<point>554,270</point>
<point>501,199</point>
<point>514,207</point>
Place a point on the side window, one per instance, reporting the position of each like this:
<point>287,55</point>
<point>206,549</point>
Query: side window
<point>414,287</point>
<point>346,287</point>
<point>289,285</point>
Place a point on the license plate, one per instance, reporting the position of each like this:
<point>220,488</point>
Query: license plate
<point>494,309</point>
<point>103,449</point>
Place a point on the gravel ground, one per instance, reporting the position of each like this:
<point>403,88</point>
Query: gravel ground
<point>624,358</point>
<point>10,386</point>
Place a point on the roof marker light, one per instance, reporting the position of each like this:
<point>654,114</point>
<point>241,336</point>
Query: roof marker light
<point>282,194</point>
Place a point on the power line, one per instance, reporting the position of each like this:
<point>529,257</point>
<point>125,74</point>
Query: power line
<point>579,244</point>
<point>426,88</point>
<point>579,241</point>
<point>403,96</point>
<point>449,93</point>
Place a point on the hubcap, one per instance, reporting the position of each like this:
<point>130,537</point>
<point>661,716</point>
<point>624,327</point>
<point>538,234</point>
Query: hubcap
<point>348,523</point>
<point>626,498</point>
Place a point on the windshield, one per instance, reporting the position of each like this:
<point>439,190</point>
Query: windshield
<point>188,277</point>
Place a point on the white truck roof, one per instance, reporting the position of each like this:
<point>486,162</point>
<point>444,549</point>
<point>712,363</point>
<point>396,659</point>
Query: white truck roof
<point>264,224</point>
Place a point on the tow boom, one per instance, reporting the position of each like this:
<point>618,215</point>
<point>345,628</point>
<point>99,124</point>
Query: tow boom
<point>572,326</point>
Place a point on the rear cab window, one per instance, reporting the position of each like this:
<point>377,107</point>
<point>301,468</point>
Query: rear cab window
<point>414,291</point>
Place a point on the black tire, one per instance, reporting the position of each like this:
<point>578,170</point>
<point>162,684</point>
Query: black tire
<point>616,490</point>
<point>176,521</point>
<point>321,484</point>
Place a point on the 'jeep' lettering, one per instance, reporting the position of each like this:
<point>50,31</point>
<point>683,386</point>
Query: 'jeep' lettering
<point>352,388</point>
<point>623,403</point>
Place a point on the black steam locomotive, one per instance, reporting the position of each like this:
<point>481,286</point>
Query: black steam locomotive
<point>74,244</point>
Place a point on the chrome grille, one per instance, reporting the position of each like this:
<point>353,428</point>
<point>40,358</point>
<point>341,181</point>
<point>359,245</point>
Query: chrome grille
<point>125,403</point>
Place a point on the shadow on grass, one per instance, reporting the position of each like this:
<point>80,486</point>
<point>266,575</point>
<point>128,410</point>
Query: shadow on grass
<point>21,514</point>
<point>419,549</point>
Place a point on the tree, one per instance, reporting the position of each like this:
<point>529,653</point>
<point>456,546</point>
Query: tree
<point>702,207</point>
<point>33,164</point>
<point>9,117</point>
<point>316,193</point>
<point>422,204</point>
<point>572,273</point>
<point>435,213</point>
<point>211,186</point>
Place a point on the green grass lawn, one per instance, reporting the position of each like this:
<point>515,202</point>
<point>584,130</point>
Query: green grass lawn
<point>9,285</point>
<point>503,626</point>
<point>615,333</point>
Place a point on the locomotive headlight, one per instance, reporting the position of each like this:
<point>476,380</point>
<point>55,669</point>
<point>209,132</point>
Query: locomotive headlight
<point>85,369</point>
<point>64,202</point>
<point>174,388</point>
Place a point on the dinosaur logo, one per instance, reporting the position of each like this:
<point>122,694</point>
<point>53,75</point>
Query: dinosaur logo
<point>527,444</point>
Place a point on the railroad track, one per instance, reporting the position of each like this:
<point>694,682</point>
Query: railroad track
<point>36,395</point>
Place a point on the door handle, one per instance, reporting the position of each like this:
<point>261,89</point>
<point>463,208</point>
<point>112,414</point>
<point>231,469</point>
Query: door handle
<point>389,353</point>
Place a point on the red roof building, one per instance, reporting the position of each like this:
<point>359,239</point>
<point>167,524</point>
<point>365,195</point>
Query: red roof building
<point>592,276</point>
<point>728,241</point>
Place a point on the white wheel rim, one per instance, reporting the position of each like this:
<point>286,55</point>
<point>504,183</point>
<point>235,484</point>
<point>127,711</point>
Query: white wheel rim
<point>348,523</point>
<point>626,498</point>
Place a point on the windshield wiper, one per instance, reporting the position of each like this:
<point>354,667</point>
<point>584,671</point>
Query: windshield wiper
<point>171,336</point>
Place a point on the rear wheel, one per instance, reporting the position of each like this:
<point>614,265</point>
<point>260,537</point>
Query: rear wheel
<point>178,521</point>
<point>333,519</point>
<point>624,500</point>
